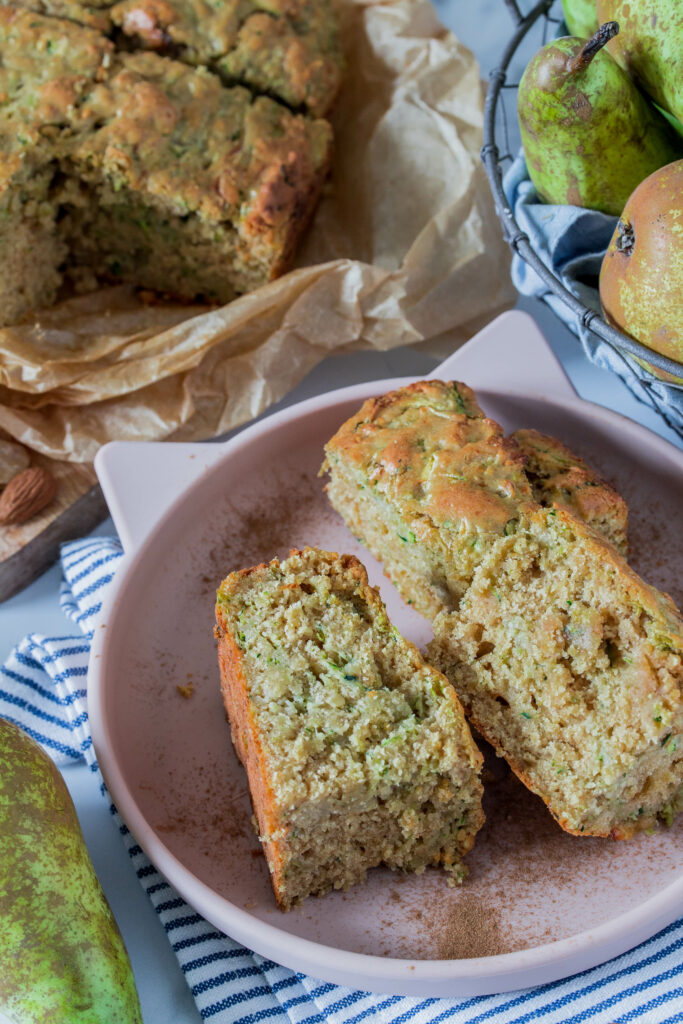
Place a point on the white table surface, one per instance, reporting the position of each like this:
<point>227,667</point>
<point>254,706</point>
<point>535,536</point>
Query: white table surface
<point>483,25</point>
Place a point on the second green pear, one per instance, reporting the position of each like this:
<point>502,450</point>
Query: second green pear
<point>650,46</point>
<point>589,135</point>
<point>581,17</point>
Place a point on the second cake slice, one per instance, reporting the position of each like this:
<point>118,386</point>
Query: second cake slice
<point>357,751</point>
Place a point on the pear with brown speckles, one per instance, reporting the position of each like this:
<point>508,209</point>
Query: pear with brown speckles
<point>589,136</point>
<point>650,46</point>
<point>62,958</point>
<point>641,280</point>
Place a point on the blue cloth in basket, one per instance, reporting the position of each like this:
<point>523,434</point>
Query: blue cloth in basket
<point>571,242</point>
<point>42,688</point>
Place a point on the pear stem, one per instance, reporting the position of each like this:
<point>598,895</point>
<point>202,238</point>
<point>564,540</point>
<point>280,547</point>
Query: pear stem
<point>585,55</point>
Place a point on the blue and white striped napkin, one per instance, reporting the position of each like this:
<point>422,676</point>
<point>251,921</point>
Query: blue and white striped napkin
<point>42,688</point>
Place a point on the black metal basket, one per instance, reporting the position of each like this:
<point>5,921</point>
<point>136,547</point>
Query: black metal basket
<point>496,120</point>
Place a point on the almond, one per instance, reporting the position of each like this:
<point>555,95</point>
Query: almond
<point>27,493</point>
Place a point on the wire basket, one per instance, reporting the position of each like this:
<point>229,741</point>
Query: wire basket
<point>496,151</point>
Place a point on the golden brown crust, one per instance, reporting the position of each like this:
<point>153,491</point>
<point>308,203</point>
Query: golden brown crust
<point>560,477</point>
<point>302,68</point>
<point>249,748</point>
<point>298,197</point>
<point>289,50</point>
<point>95,15</point>
<point>429,448</point>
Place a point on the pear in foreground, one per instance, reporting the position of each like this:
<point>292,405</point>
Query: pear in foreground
<point>641,279</point>
<point>62,958</point>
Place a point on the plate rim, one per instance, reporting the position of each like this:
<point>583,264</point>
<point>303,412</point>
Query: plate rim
<point>403,976</point>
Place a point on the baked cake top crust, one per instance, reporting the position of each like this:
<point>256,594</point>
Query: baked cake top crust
<point>284,48</point>
<point>559,476</point>
<point>429,448</point>
<point>154,126</point>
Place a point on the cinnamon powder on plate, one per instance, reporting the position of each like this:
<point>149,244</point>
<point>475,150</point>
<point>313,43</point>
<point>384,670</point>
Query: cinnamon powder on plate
<point>469,929</point>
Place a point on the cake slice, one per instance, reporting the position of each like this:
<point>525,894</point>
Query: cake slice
<point>190,188</point>
<point>559,477</point>
<point>572,667</point>
<point>425,481</point>
<point>357,751</point>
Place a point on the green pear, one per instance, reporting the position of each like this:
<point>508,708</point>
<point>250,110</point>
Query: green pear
<point>589,135</point>
<point>650,46</point>
<point>581,17</point>
<point>62,958</point>
<point>641,278</point>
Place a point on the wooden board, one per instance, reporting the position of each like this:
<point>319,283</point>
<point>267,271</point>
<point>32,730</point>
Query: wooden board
<point>28,549</point>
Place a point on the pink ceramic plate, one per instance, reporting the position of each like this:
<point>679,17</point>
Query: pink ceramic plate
<point>538,904</point>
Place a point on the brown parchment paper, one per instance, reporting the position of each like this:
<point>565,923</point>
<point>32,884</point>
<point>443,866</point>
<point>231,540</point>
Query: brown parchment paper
<point>404,246</point>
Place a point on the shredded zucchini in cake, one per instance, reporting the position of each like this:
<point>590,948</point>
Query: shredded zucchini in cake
<point>362,740</point>
<point>573,667</point>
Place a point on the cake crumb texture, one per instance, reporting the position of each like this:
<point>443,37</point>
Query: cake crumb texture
<point>572,667</point>
<point>357,751</point>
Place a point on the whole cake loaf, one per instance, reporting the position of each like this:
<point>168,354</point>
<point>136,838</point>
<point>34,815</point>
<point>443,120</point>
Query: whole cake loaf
<point>564,659</point>
<point>138,168</point>
<point>357,751</point>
